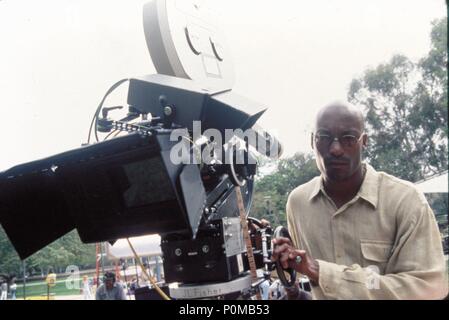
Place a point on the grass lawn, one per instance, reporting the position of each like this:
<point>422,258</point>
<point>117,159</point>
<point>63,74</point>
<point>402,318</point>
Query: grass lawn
<point>38,288</point>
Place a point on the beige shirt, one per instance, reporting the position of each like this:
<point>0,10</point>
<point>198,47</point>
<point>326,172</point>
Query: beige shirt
<point>383,244</point>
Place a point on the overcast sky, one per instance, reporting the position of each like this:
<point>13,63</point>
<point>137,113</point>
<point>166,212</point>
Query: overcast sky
<point>58,58</point>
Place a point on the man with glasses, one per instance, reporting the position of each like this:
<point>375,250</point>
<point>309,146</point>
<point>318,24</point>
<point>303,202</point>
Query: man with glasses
<point>358,233</point>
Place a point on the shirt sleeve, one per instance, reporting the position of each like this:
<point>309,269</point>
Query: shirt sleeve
<point>97,294</point>
<point>416,268</point>
<point>121,293</point>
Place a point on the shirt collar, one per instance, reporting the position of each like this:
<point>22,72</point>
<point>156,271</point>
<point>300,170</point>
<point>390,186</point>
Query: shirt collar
<point>370,186</point>
<point>368,190</point>
<point>317,185</point>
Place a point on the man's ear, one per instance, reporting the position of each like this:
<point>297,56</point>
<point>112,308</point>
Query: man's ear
<point>365,140</point>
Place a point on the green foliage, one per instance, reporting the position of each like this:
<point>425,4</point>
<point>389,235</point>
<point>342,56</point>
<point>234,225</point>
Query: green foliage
<point>9,260</point>
<point>68,250</point>
<point>272,190</point>
<point>406,111</point>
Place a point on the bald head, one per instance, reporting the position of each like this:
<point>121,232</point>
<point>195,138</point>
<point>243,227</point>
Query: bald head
<point>339,112</point>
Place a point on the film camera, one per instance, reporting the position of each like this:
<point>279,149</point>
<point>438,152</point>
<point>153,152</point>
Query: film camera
<point>186,153</point>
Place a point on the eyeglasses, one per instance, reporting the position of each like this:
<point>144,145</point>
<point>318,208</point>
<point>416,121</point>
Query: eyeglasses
<point>323,140</point>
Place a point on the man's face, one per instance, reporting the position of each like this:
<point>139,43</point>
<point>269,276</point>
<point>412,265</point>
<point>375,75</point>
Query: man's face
<point>109,284</point>
<point>338,160</point>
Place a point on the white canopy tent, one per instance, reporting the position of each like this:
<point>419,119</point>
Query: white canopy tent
<point>145,246</point>
<point>435,184</point>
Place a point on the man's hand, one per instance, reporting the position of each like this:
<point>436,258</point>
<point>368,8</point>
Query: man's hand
<point>286,254</point>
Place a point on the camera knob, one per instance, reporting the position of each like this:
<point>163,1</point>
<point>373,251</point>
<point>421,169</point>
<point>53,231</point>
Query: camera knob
<point>168,111</point>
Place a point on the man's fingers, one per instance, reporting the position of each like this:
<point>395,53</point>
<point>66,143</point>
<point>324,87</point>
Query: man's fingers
<point>281,240</point>
<point>284,260</point>
<point>279,250</point>
<point>285,253</point>
<point>280,245</point>
<point>295,253</point>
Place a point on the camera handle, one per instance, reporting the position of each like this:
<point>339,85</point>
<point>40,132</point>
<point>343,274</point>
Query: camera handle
<point>281,231</point>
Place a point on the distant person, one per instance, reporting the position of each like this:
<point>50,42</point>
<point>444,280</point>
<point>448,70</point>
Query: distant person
<point>264,288</point>
<point>4,289</point>
<point>13,290</point>
<point>87,289</point>
<point>276,291</point>
<point>134,285</point>
<point>110,290</point>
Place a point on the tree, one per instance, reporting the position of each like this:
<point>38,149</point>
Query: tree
<point>406,111</point>
<point>272,189</point>
<point>9,260</point>
<point>68,250</point>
